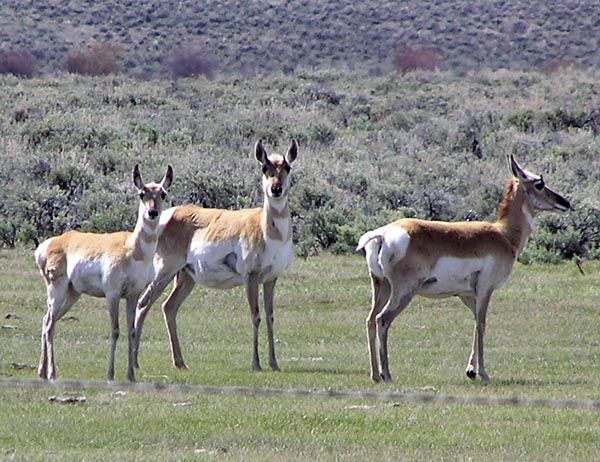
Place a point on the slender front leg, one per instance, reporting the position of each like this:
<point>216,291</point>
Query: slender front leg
<point>182,288</point>
<point>471,369</point>
<point>482,307</point>
<point>251,286</point>
<point>130,314</point>
<point>112,304</point>
<point>380,289</point>
<point>268,292</point>
<point>148,297</point>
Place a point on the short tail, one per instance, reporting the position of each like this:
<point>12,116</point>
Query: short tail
<point>368,237</point>
<point>41,256</point>
<point>40,259</point>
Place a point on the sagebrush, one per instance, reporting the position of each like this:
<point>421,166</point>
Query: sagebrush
<point>372,149</point>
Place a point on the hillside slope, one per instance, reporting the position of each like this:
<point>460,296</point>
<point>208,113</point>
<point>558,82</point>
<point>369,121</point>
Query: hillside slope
<point>256,37</point>
<point>428,145</point>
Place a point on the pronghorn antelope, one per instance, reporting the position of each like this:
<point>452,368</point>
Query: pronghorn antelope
<point>222,249</point>
<point>112,266</point>
<point>438,259</point>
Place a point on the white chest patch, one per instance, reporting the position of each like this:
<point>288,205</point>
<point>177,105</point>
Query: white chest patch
<point>277,258</point>
<point>528,217</point>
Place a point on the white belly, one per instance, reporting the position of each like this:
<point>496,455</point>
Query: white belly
<point>225,264</point>
<point>453,276</point>
<point>99,278</point>
<point>86,276</point>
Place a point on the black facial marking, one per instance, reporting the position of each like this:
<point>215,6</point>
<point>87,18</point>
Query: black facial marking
<point>539,184</point>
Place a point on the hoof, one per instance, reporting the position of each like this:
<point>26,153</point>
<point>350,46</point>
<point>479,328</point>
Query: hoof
<point>376,378</point>
<point>471,373</point>
<point>386,377</point>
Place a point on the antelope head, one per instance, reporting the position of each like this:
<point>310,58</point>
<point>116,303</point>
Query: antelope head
<point>152,195</point>
<point>539,195</point>
<point>276,169</point>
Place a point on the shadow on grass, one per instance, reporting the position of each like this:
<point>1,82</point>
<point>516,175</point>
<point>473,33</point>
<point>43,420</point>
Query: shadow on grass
<point>326,371</point>
<point>537,383</point>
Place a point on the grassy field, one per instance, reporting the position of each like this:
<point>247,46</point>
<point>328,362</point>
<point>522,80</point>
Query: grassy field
<point>542,342</point>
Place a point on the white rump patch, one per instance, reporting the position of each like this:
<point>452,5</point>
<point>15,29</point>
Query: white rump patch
<point>384,247</point>
<point>40,252</point>
<point>394,246</point>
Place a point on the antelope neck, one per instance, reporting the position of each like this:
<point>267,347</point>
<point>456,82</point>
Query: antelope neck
<point>516,216</point>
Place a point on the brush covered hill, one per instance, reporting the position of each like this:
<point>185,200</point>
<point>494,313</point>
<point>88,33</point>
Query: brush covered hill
<point>372,149</point>
<point>248,37</point>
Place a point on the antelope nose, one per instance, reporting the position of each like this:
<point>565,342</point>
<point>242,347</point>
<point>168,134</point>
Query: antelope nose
<point>153,213</point>
<point>276,190</point>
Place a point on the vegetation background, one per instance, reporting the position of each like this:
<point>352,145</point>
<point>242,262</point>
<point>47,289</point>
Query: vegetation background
<point>424,144</point>
<point>253,38</point>
<point>400,110</point>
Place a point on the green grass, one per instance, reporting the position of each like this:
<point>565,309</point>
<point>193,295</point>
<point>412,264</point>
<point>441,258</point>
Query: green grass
<point>541,342</point>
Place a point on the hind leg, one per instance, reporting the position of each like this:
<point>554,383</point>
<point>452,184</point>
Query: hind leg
<point>398,301</point>
<point>60,298</point>
<point>403,289</point>
<point>148,297</point>
<point>182,288</point>
<point>380,295</point>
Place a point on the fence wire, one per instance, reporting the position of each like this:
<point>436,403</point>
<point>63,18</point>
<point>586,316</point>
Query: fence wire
<point>428,397</point>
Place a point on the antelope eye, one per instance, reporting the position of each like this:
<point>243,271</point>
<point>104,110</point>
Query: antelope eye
<point>268,171</point>
<point>163,195</point>
<point>539,184</point>
<point>141,194</point>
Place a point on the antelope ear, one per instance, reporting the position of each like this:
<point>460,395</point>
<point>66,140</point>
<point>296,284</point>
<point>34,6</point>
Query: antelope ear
<point>519,172</point>
<point>515,168</point>
<point>292,152</point>
<point>137,178</point>
<point>260,153</point>
<point>168,178</point>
